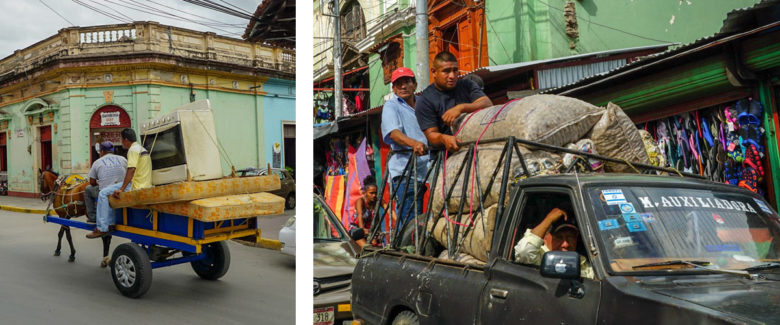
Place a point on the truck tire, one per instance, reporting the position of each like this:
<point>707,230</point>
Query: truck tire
<point>131,270</point>
<point>406,317</point>
<point>216,263</point>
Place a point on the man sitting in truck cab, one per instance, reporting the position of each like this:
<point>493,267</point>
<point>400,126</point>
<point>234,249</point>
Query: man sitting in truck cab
<point>563,237</point>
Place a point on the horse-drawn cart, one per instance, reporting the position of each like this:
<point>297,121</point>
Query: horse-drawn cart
<point>167,226</point>
<point>156,240</point>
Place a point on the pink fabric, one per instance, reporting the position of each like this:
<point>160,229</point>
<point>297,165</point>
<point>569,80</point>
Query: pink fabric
<point>361,162</point>
<point>352,193</point>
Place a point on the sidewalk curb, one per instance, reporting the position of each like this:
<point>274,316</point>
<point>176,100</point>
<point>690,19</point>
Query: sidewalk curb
<point>22,210</point>
<point>266,243</point>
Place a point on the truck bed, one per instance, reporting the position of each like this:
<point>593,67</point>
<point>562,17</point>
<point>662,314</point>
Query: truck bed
<point>411,286</point>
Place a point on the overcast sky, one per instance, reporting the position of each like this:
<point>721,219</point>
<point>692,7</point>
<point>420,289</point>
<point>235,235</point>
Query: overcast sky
<point>23,23</point>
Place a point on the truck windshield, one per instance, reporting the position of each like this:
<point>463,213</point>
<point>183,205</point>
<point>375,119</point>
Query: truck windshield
<point>658,228</point>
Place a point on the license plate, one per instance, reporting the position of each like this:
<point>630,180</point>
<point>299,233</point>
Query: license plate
<point>324,316</point>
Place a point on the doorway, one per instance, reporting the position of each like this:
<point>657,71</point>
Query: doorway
<point>107,124</point>
<point>3,153</point>
<point>46,158</point>
<point>289,145</point>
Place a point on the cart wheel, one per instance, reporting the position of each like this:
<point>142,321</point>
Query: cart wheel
<point>131,270</point>
<point>216,262</point>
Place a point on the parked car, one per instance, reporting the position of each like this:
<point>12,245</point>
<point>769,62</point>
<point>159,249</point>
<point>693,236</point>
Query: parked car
<point>287,237</point>
<point>287,190</point>
<point>334,261</point>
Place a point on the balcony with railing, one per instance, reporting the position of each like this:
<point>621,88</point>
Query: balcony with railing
<point>124,40</point>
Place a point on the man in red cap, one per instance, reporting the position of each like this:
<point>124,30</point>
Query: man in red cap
<point>401,131</point>
<point>445,99</point>
<point>544,238</point>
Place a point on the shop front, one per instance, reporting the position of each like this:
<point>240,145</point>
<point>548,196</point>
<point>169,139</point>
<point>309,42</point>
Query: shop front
<point>709,107</point>
<point>106,124</point>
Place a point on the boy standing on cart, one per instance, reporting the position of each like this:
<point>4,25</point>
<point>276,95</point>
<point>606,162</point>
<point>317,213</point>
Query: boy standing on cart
<point>137,176</point>
<point>401,131</point>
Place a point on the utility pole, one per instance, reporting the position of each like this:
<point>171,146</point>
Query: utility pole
<point>337,93</point>
<point>421,29</point>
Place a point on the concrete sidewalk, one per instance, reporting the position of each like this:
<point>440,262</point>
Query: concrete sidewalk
<point>22,204</point>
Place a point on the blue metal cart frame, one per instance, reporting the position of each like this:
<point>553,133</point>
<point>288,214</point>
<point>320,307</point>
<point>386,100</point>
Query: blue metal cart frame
<point>157,236</point>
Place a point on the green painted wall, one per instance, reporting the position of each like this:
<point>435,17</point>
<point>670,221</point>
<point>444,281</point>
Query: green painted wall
<point>379,89</point>
<point>240,122</point>
<point>527,30</point>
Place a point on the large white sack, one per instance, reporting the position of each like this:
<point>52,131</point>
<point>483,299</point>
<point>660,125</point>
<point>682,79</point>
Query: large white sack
<point>479,237</point>
<point>616,136</point>
<point>538,162</point>
<point>488,160</point>
<point>548,119</point>
<point>461,257</point>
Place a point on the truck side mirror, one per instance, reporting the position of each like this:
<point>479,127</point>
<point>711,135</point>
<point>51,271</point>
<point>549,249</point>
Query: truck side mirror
<point>561,265</point>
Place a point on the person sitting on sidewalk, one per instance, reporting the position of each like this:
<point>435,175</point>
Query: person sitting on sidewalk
<point>137,176</point>
<point>107,170</point>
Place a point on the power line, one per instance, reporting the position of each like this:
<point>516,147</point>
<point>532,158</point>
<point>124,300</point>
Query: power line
<point>498,38</point>
<point>107,14</point>
<point>217,22</point>
<point>607,27</point>
<point>58,14</point>
<point>116,11</point>
<point>217,7</point>
<point>237,7</point>
<point>155,11</point>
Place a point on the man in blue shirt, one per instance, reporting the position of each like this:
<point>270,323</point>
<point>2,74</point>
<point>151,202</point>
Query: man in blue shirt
<point>445,99</point>
<point>401,131</point>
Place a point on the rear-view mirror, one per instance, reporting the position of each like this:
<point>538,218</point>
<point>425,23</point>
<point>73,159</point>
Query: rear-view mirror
<point>561,265</point>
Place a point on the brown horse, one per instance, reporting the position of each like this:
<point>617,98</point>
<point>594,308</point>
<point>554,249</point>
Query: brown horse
<point>68,202</point>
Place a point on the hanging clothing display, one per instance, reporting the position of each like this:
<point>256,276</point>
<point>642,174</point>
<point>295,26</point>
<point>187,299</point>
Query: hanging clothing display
<point>322,109</point>
<point>724,143</point>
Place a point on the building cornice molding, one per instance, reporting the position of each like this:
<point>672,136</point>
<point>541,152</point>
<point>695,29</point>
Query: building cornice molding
<point>387,27</point>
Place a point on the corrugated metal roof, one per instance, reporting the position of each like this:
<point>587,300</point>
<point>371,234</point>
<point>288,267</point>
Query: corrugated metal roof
<point>730,25</point>
<point>511,66</point>
<point>556,77</point>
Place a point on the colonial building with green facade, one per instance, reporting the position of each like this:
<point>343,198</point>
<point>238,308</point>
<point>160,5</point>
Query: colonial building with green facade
<point>63,94</point>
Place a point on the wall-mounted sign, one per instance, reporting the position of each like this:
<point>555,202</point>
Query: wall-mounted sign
<point>20,133</point>
<point>109,118</point>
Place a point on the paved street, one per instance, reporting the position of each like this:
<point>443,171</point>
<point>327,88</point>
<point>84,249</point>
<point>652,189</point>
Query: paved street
<point>38,288</point>
<point>272,224</point>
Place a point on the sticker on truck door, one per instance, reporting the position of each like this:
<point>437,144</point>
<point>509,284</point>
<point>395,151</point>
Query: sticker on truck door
<point>627,208</point>
<point>608,224</point>
<point>614,196</point>
<point>763,206</point>
<point>636,226</point>
<point>631,217</point>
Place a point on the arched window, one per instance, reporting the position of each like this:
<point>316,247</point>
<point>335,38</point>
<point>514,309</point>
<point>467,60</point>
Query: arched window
<point>353,23</point>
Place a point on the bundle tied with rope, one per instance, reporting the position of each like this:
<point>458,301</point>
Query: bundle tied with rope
<point>546,119</point>
<point>205,195</point>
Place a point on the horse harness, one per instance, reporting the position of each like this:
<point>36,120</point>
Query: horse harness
<point>54,193</point>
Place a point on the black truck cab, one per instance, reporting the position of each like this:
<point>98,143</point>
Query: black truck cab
<point>661,250</point>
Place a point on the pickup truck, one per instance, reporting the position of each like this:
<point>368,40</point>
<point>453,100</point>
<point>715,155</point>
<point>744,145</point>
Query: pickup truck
<point>664,250</point>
